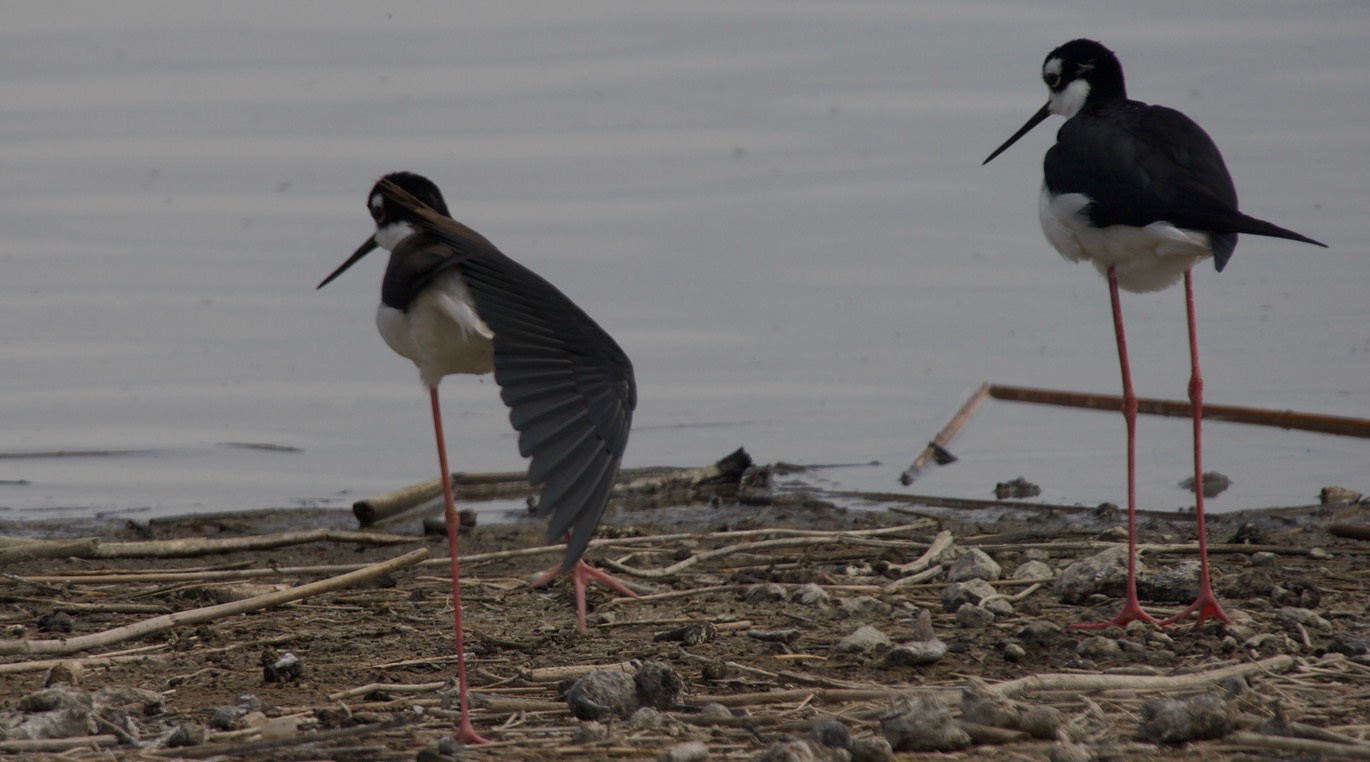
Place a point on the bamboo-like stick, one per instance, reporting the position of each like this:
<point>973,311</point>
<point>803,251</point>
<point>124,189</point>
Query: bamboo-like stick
<point>1284,419</point>
<point>209,613</point>
<point>27,551</point>
<point>939,443</point>
<point>473,487</point>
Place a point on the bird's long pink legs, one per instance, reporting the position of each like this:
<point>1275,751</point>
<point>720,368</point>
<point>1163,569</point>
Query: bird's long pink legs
<point>1207,603</point>
<point>1132,608</point>
<point>466,733</point>
<point>583,574</point>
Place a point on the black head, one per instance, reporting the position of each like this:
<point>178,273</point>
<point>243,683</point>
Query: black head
<point>393,221</point>
<point>1077,73</point>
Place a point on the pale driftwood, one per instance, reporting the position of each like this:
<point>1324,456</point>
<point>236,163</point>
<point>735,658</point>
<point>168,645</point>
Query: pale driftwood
<point>1284,419</point>
<point>475,487</point>
<point>303,739</point>
<point>939,545</point>
<point>818,538</point>
<point>14,552</point>
<point>1079,683</point>
<point>362,690</point>
<point>57,744</point>
<point>939,443</point>
<point>1303,746</point>
<point>572,671</point>
<point>142,653</point>
<point>209,613</point>
<point>188,547</point>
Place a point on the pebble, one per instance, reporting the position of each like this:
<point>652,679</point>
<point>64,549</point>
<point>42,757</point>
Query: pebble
<point>1033,569</point>
<point>999,607</point>
<point>658,686</point>
<point>1177,583</point>
<point>1041,721</point>
<point>972,617</point>
<point>187,734</point>
<point>589,731</point>
<point>863,638</point>
<point>863,607</point>
<point>603,694</point>
<point>286,669</point>
<point>1168,720</point>
<point>1066,751</point>
<point>767,592</point>
<point>1102,573</point>
<point>871,749</point>
<point>981,706</point>
<point>691,634</point>
<point>1098,646</point>
<point>64,673</point>
<point>829,731</point>
<point>973,564</point>
<point>971,591</point>
<point>690,751</point>
<point>925,648</point>
<point>810,594</point>
<point>646,718</point>
<point>922,724</point>
<point>1040,632</point>
<point>1290,617</point>
<point>801,750</point>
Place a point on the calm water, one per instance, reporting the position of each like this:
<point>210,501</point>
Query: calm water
<point>778,209</point>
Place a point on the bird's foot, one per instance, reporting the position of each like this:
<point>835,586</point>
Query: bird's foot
<point>582,574</point>
<point>1132,612</point>
<point>1206,605</point>
<point>466,733</point>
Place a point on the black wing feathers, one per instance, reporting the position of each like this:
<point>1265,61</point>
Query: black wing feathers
<point>569,387</point>
<point>1141,164</point>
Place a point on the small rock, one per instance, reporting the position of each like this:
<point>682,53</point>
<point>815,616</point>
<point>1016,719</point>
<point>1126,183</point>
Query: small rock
<point>774,636</point>
<point>1102,573</point>
<point>690,751</point>
<point>54,621</point>
<point>810,594</point>
<point>589,731</point>
<point>603,694</point>
<point>1041,721</point>
<point>286,669</point>
<point>768,592</point>
<point>922,724</point>
<point>187,734</point>
<point>1032,570</point>
<point>658,686</point>
<point>691,634</point>
<point>1319,554</point>
<point>1013,652</point>
<point>1097,646</point>
<point>864,638</point>
<point>223,717</point>
<point>1016,488</point>
<point>871,749</point>
<point>1290,617</point>
<point>646,718</point>
<point>1214,483</point>
<point>973,564</point>
<point>1178,583</point>
<point>1041,632</point>
<point>61,711</point>
<point>64,673</point>
<point>1174,721</point>
<point>1068,751</point>
<point>971,591</point>
<point>863,607</point>
<point>801,750</point>
<point>999,607</point>
<point>829,731</point>
<point>972,617</point>
<point>984,707</point>
<point>714,709</point>
<point>1349,644</point>
<point>1264,558</point>
<point>925,648</point>
<point>1333,495</point>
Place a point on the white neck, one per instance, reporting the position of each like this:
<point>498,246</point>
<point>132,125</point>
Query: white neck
<point>1069,101</point>
<point>389,236</point>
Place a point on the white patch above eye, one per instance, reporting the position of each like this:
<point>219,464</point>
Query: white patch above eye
<point>377,201</point>
<point>1052,67</point>
<point>1069,101</point>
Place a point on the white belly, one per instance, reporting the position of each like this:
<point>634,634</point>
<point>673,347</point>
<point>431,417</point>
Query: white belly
<point>1145,259</point>
<point>441,332</point>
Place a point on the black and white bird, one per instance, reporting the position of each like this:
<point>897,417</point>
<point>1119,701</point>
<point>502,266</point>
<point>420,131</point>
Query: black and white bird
<point>1142,193</point>
<point>453,303</point>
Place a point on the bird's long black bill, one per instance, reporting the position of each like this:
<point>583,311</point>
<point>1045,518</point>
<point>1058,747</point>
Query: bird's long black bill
<point>365,249</point>
<point>1033,122</point>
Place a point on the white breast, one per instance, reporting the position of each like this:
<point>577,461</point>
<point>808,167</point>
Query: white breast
<point>440,332</point>
<point>1145,259</point>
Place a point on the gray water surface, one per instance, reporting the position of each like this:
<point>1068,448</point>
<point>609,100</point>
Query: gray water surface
<point>778,209</point>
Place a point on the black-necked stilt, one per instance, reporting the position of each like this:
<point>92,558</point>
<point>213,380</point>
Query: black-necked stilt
<point>453,303</point>
<point>1142,193</point>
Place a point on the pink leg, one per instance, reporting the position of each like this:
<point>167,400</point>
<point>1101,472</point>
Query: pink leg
<point>583,574</point>
<point>1207,603</point>
<point>1132,607</point>
<point>466,733</point>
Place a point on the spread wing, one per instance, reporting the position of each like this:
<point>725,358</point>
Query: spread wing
<point>569,387</point>
<point>1140,164</point>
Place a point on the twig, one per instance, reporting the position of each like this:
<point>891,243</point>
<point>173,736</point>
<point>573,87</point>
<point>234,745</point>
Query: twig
<point>570,671</point>
<point>1136,683</point>
<point>200,546</point>
<point>256,747</point>
<point>937,447</point>
<point>362,690</point>
<point>1305,746</point>
<point>938,546</point>
<point>27,551</point>
<point>208,613</point>
<point>57,744</point>
<point>1284,419</point>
